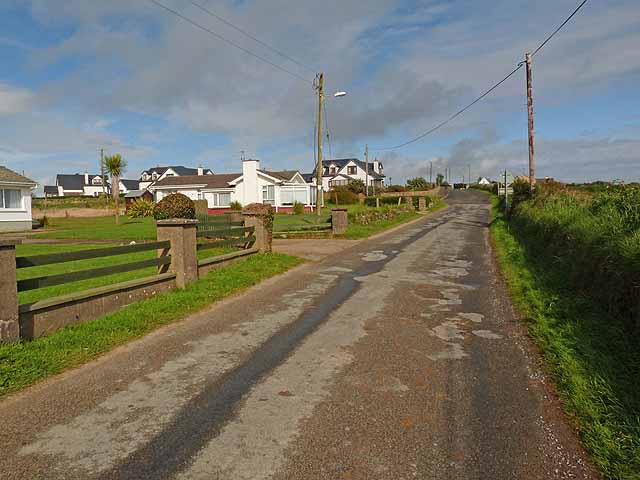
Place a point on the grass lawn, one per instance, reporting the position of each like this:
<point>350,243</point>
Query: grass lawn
<point>30,296</point>
<point>26,362</point>
<point>100,228</point>
<point>593,360</point>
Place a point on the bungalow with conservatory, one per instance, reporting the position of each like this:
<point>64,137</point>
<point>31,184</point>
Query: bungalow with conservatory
<point>15,201</point>
<point>339,172</point>
<point>278,188</point>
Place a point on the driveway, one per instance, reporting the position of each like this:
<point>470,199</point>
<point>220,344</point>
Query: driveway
<point>399,357</point>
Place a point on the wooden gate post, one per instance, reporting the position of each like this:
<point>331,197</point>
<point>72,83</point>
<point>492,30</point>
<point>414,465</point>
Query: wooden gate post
<point>9,324</point>
<point>181,233</point>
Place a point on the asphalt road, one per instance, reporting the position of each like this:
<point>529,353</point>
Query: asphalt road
<point>397,358</point>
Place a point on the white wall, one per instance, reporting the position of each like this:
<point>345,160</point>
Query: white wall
<point>21,214</point>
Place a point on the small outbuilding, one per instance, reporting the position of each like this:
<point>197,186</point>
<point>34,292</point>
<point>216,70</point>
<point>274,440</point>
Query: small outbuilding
<point>134,195</point>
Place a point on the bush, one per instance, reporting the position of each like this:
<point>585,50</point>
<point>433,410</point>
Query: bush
<point>235,205</point>
<point>175,205</point>
<point>356,186</point>
<point>141,208</point>
<point>343,196</point>
<point>298,208</point>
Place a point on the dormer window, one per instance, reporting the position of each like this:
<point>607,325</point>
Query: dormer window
<point>325,171</point>
<point>154,176</point>
<point>351,170</point>
<point>145,177</point>
<point>333,170</point>
<point>97,181</point>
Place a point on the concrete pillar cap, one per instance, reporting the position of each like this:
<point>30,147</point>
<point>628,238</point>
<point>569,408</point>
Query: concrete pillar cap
<point>169,222</point>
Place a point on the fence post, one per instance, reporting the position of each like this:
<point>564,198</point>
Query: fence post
<point>422,204</point>
<point>181,233</point>
<point>260,217</point>
<point>409,200</point>
<point>339,221</point>
<point>9,323</point>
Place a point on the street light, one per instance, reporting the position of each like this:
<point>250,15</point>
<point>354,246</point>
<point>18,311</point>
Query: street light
<point>319,86</point>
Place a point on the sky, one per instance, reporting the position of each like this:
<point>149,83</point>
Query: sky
<point>131,78</point>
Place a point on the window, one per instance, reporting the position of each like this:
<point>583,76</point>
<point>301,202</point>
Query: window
<point>325,171</point>
<point>352,170</point>
<point>333,170</point>
<point>96,181</point>
<point>224,199</point>
<point>10,198</point>
<point>269,194</point>
<point>290,194</point>
<point>154,176</point>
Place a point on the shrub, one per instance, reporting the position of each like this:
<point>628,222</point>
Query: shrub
<point>298,208</point>
<point>235,205</point>
<point>141,208</point>
<point>175,205</point>
<point>356,186</point>
<point>343,196</point>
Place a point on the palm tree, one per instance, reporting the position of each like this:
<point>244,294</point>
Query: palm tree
<point>115,165</point>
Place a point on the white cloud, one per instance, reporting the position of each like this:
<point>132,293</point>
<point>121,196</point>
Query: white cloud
<point>14,100</point>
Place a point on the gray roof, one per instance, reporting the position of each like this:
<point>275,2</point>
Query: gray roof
<point>10,176</point>
<point>219,180</point>
<point>51,189</point>
<point>179,169</point>
<point>285,175</point>
<point>135,193</point>
<point>131,184</point>
<point>342,162</point>
<point>75,181</point>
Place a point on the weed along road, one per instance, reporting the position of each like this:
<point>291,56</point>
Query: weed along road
<point>397,358</point>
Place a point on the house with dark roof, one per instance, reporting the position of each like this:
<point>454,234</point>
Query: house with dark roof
<point>15,201</point>
<point>128,185</point>
<point>78,185</point>
<point>253,185</point>
<point>339,172</point>
<point>152,175</point>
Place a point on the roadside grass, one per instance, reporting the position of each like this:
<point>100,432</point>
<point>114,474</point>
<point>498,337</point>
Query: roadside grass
<point>26,362</point>
<point>31,296</point>
<point>357,231</point>
<point>100,228</point>
<point>593,360</point>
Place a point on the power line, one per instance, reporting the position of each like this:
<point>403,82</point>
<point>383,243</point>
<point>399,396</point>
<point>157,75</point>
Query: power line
<point>247,34</point>
<point>487,92</point>
<point>559,28</point>
<point>229,42</point>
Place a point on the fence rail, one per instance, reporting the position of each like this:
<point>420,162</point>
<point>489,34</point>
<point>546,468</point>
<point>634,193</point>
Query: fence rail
<point>50,258</point>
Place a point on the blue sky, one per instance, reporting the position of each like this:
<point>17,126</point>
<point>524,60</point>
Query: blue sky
<point>126,76</point>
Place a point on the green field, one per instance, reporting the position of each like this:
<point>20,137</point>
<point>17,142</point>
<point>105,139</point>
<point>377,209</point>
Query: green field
<point>590,349</point>
<point>100,228</point>
<point>30,296</point>
<point>24,363</point>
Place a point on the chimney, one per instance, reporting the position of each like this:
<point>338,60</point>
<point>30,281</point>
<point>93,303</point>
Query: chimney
<point>376,166</point>
<point>200,171</point>
<point>86,178</point>
<point>250,169</point>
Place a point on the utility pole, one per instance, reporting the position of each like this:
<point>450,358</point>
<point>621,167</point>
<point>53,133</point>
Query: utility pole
<point>469,177</point>
<point>431,172</point>
<point>104,193</point>
<point>506,194</point>
<point>366,170</point>
<point>532,155</point>
<point>320,88</point>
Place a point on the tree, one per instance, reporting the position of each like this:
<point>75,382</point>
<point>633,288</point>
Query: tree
<point>115,165</point>
<point>439,179</point>
<point>417,184</point>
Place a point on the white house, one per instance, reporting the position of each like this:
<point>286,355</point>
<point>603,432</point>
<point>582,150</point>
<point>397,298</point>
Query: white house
<point>77,185</point>
<point>156,174</point>
<point>127,186</point>
<point>339,172</point>
<point>280,189</point>
<point>15,201</point>
<point>483,181</point>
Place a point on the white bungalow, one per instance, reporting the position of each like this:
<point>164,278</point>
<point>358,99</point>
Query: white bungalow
<point>278,188</point>
<point>15,201</point>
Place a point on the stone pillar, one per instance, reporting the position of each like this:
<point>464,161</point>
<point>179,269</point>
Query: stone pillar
<point>260,217</point>
<point>235,216</point>
<point>339,221</point>
<point>9,325</point>
<point>422,204</point>
<point>184,254</point>
<point>409,201</point>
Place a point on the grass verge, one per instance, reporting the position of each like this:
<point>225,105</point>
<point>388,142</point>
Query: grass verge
<point>100,228</point>
<point>357,231</point>
<point>593,361</point>
<point>24,363</point>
